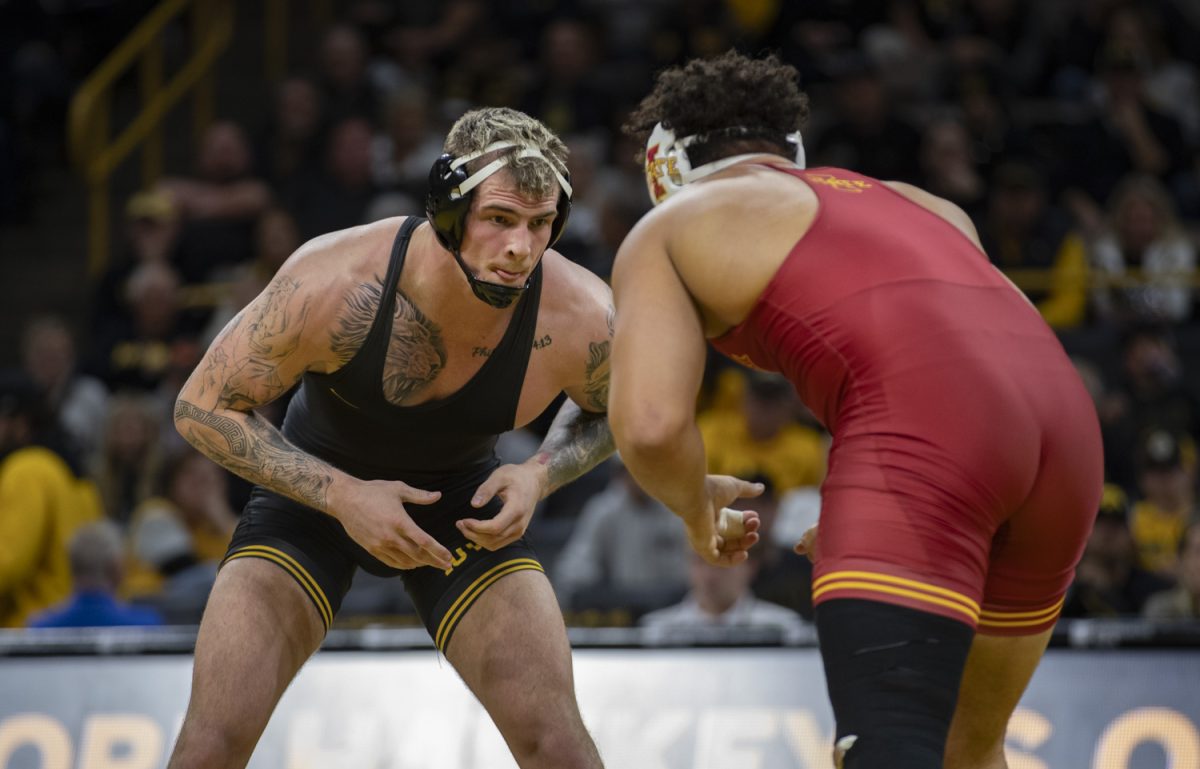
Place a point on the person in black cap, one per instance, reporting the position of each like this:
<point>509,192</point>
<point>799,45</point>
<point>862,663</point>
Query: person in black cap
<point>1166,461</point>
<point>1108,581</point>
<point>416,342</point>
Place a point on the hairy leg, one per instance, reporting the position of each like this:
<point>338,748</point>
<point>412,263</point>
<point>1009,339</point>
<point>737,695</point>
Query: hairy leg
<point>511,649</point>
<point>258,629</point>
<point>998,670</point>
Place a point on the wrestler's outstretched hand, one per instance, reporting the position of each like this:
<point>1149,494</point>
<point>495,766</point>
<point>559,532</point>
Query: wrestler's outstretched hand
<point>704,529</point>
<point>373,514</point>
<point>520,487</point>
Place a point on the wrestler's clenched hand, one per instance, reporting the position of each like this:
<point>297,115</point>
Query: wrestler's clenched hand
<point>373,514</point>
<point>520,487</point>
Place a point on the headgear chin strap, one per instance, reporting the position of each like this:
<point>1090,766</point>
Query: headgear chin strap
<point>668,168</point>
<point>449,201</point>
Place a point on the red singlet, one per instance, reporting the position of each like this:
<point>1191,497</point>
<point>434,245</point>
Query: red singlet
<point>966,465</point>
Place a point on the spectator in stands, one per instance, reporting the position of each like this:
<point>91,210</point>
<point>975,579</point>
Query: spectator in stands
<point>1143,236</point>
<point>866,137</point>
<point>1108,581</point>
<point>1154,389</point>
<point>152,228</point>
<point>1182,602</point>
<point>948,169</point>
<point>1022,232</point>
<point>180,535</point>
<point>129,458</point>
<point>1117,429</point>
<point>626,551</point>
<point>135,352</point>
<point>1167,482</point>
<point>401,155</point>
<point>76,400</point>
<point>1128,135</point>
<point>43,500</point>
<point>96,554</point>
<point>337,196</point>
<point>565,90</point>
<point>292,142</point>
<point>218,206</point>
<point>720,599</point>
<point>347,88</point>
<point>763,437</point>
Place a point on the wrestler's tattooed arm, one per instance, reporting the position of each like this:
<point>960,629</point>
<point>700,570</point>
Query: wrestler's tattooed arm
<point>255,359</point>
<point>579,440</point>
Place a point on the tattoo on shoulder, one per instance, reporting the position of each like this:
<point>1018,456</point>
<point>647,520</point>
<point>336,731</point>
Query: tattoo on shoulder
<point>355,319</point>
<point>596,375</point>
<point>538,344</point>
<point>272,329</point>
<point>416,352</point>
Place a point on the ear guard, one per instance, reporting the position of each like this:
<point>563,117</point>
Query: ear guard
<point>668,168</point>
<point>448,203</point>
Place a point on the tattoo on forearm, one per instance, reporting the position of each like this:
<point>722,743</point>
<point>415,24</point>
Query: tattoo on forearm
<point>255,450</point>
<point>578,440</point>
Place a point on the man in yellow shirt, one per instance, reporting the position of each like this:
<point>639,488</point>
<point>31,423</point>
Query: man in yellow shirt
<point>1166,461</point>
<point>763,437</point>
<point>42,501</point>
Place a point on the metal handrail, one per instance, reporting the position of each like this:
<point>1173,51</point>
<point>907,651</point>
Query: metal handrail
<point>92,150</point>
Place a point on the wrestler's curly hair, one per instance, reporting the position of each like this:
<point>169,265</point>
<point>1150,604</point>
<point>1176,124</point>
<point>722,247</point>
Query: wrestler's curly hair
<point>715,96</point>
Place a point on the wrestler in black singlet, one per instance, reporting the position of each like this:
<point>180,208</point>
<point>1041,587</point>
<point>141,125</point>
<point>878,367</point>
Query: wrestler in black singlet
<point>445,445</point>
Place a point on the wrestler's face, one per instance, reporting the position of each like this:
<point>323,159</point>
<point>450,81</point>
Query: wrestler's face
<point>507,232</point>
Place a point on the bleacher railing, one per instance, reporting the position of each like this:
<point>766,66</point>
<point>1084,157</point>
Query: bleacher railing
<point>95,152</point>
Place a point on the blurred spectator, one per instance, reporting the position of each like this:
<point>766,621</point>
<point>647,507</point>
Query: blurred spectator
<point>43,500</point>
<point>995,135</point>
<point>720,599</point>
<point>219,205</point>
<point>96,553</point>
<point>1003,34</point>
<point>626,551</point>
<point>180,536</point>
<point>1183,602</point>
<point>866,137</point>
<point>337,197</point>
<point>948,169</point>
<point>135,352</point>
<point>1144,236</point>
<point>1108,581</point>
<point>151,235</point>
<point>1154,390</point>
<point>566,94</point>
<point>129,458</point>
<point>1022,232</point>
<point>1169,83</point>
<point>402,156</point>
<point>76,400</point>
<point>763,437</point>
<point>292,142</point>
<point>1128,134</point>
<point>348,91</point>
<point>1117,429</point>
<point>1166,479</point>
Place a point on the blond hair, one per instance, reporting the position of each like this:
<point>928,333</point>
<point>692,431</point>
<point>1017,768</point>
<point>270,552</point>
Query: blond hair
<point>478,128</point>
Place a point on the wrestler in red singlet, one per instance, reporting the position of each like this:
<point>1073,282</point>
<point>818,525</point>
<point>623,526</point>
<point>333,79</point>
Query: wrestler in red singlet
<point>965,469</point>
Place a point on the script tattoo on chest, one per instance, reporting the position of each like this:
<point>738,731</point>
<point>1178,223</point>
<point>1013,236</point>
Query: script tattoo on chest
<point>486,352</point>
<point>416,352</point>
